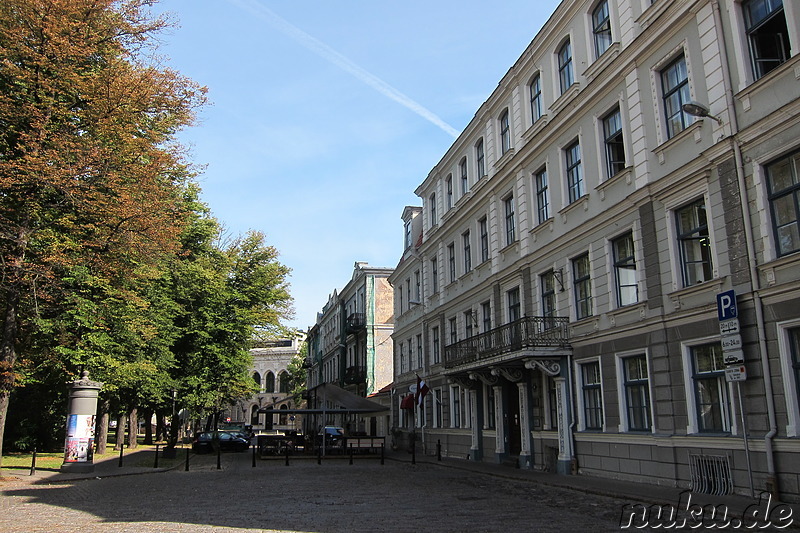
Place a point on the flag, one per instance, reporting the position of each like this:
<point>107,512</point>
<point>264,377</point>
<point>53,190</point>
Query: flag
<point>407,402</point>
<point>422,390</point>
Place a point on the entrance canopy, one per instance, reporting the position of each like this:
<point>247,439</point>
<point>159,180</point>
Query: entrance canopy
<point>344,402</point>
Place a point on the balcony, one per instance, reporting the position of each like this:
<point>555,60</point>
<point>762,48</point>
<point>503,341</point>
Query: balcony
<point>355,375</point>
<point>355,322</point>
<point>524,334</point>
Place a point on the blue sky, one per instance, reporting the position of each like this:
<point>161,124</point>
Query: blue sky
<point>326,115</point>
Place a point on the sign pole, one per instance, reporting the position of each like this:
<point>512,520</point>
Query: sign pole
<point>744,437</point>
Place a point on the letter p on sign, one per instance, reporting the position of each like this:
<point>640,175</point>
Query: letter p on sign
<point>726,305</point>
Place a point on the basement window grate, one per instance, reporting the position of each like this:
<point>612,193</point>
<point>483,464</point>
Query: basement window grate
<point>711,474</point>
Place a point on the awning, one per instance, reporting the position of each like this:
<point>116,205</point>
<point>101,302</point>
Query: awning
<point>344,402</point>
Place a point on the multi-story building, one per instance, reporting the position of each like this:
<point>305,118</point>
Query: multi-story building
<point>350,344</point>
<point>638,164</point>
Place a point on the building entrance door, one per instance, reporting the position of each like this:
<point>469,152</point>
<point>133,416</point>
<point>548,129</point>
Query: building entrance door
<point>514,432</point>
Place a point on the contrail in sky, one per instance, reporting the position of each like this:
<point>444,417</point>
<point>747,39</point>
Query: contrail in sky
<point>328,53</point>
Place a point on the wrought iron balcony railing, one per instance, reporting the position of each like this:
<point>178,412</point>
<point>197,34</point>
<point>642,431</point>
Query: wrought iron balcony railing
<point>355,322</point>
<point>527,332</point>
<point>353,375</point>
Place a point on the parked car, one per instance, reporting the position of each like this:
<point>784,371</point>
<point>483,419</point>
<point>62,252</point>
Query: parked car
<point>228,441</point>
<point>334,436</point>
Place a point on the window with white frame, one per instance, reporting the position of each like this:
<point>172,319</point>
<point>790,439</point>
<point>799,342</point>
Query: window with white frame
<point>417,286</point>
<point>453,324</point>
<point>625,270</point>
<point>508,204</point>
<point>462,169</point>
<point>402,356</point>
<point>505,133</point>
<point>767,35</point>
<point>419,352</point>
<point>581,282</point>
<point>489,415</point>
<point>456,407</point>
<point>542,196</point>
<point>408,234</point>
<point>694,244</point>
<point>467,247</point>
<point>709,388</point>
<point>435,346</point>
<point>783,182</point>
<point>469,319</point>
<point>514,307</point>
<point>432,209</point>
<point>601,28</point>
<point>572,155</point>
<point>535,89</point>
<point>486,316</point>
<point>636,387</point>
<point>789,348</point>
<point>451,261</point>
<point>613,143</point>
<point>438,415</point>
<point>480,161</point>
<point>566,76</point>
<point>591,396</point>
<point>483,226</point>
<point>548,295</point>
<point>434,275</point>
<point>448,183</point>
<point>675,89</point>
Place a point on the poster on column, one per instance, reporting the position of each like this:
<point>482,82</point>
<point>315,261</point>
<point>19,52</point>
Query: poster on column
<point>80,439</point>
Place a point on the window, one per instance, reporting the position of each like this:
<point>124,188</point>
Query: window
<point>535,88</point>
<point>480,165</point>
<point>451,261</point>
<point>486,316</point>
<point>637,393</point>
<point>468,320</point>
<point>438,415</point>
<point>767,34</point>
<point>408,234</point>
<point>675,86</point>
<point>419,351</point>
<point>417,287</point>
<point>625,270</point>
<point>783,179</point>
<point>710,388</point>
<point>574,172</point>
<point>505,133</point>
<point>601,28</point>
<point>483,226</point>
<point>592,396</point>
<point>432,208</point>
<point>453,330</point>
<point>408,292</point>
<point>694,244</point>
<point>455,407</point>
<point>552,403</point>
<point>510,224</point>
<point>465,238</point>
<point>402,357</point>
<point>490,408</point>
<point>542,196</point>
<point>794,348</point>
<point>257,379</point>
<point>449,186</point>
<point>462,168</point>
<point>435,346</point>
<point>615,148</point>
<point>583,288</point>
<point>513,305</point>
<point>548,283</point>
<point>565,74</point>
<point>269,382</point>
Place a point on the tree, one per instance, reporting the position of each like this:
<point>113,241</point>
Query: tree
<point>298,371</point>
<point>89,177</point>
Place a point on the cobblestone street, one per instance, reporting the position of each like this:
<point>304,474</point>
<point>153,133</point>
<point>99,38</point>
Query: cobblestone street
<point>304,496</point>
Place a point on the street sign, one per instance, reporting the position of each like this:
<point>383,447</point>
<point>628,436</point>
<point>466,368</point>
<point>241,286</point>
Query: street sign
<point>729,327</point>
<point>733,357</point>
<point>732,342</point>
<point>735,373</point>
<point>726,305</point>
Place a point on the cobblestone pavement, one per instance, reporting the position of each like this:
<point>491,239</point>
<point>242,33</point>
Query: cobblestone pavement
<point>334,496</point>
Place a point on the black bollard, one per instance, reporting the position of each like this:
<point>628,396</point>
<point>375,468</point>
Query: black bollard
<point>219,457</point>
<point>254,456</point>
<point>186,469</point>
<point>33,462</point>
<point>121,449</point>
<point>413,450</point>
<point>155,463</point>
<point>438,450</point>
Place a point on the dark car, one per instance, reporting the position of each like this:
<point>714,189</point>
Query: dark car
<point>334,436</point>
<point>228,441</point>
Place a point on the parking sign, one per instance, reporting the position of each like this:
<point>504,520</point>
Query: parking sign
<point>726,305</point>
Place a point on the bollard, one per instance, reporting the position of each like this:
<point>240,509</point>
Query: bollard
<point>33,462</point>
<point>121,449</point>
<point>413,450</point>
<point>438,450</point>
<point>254,456</point>
<point>155,463</point>
<point>219,457</point>
<point>186,469</point>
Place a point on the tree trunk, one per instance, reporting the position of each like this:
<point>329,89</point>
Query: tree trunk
<point>161,427</point>
<point>8,357</point>
<point>148,427</point>
<point>119,434</point>
<point>101,430</point>
<point>133,429</point>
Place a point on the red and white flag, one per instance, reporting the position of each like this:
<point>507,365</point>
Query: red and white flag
<point>422,390</point>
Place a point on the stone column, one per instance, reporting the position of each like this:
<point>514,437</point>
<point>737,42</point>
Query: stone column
<point>500,423</point>
<point>475,420</point>
<point>79,441</point>
<point>564,437</point>
<point>524,425</point>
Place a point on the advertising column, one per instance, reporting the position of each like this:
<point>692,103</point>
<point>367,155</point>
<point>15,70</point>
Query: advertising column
<point>79,441</point>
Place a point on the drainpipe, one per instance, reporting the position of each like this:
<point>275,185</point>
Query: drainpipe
<point>771,482</point>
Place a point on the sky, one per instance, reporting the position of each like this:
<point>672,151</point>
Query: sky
<point>324,116</point>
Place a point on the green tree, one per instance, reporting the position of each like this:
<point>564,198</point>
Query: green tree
<point>89,176</point>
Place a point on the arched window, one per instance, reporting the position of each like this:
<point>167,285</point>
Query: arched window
<point>284,382</point>
<point>257,379</point>
<point>254,415</point>
<point>270,382</point>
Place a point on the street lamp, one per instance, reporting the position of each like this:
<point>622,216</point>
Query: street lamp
<point>696,109</point>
